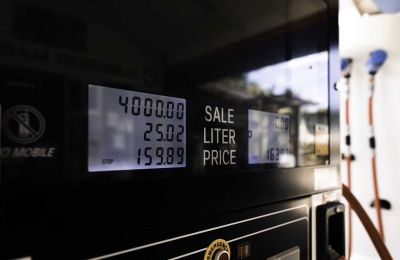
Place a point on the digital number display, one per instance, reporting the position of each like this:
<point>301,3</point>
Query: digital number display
<point>131,130</point>
<point>268,137</point>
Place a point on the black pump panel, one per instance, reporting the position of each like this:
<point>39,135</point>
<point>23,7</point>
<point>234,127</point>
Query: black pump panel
<point>127,123</point>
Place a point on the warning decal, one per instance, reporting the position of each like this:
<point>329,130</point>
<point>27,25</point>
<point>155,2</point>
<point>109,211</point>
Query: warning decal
<point>24,124</point>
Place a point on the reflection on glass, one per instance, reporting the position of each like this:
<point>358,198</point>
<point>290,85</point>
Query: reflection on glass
<point>296,89</point>
<point>306,78</point>
<point>268,138</point>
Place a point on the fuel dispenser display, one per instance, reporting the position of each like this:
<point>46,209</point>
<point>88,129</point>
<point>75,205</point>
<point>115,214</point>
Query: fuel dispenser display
<point>203,130</point>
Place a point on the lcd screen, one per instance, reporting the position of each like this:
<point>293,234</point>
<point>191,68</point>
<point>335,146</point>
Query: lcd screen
<point>131,130</point>
<point>268,137</point>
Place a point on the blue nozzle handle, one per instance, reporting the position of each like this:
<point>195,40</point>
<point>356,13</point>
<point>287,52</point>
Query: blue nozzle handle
<point>376,60</point>
<point>345,66</point>
<point>345,63</point>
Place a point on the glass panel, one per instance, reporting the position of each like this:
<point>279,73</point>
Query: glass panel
<point>224,60</point>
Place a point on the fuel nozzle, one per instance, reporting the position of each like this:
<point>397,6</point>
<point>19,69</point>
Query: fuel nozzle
<point>346,64</point>
<point>375,61</point>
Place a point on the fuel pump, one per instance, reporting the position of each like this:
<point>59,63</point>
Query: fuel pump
<point>194,130</point>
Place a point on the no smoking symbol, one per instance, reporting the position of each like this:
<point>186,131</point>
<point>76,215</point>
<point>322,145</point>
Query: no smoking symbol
<point>24,124</point>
